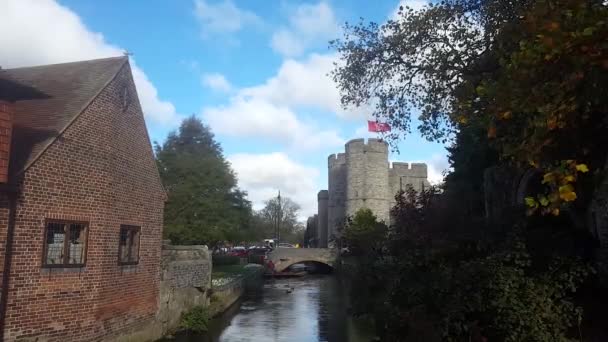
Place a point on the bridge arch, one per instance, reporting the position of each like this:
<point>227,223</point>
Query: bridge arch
<point>323,264</point>
<point>282,258</point>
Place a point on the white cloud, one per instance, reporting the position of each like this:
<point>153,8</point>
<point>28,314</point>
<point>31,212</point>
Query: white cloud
<point>309,24</point>
<point>268,110</point>
<point>437,164</point>
<point>287,43</point>
<point>363,132</point>
<point>222,17</point>
<point>216,82</point>
<point>34,32</point>
<point>158,110</point>
<point>263,175</point>
<point>303,84</point>
<point>259,118</point>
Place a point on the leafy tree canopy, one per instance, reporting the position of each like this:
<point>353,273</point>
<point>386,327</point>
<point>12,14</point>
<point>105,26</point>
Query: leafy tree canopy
<point>287,212</point>
<point>531,75</point>
<point>204,203</point>
<point>363,233</point>
<point>520,84</point>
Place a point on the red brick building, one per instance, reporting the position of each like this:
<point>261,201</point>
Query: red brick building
<point>81,204</point>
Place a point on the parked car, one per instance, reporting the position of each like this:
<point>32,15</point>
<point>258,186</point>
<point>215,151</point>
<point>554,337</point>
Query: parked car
<point>258,255</point>
<point>259,250</point>
<point>238,251</point>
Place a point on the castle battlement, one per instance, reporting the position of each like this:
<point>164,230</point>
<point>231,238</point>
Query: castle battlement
<point>419,169</point>
<point>400,166</point>
<point>371,145</point>
<point>409,169</point>
<point>362,177</point>
<point>334,160</point>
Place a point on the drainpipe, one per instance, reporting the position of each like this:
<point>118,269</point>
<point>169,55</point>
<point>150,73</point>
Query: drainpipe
<point>8,253</point>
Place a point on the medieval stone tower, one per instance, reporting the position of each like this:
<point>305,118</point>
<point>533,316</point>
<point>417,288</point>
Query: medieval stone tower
<point>362,178</point>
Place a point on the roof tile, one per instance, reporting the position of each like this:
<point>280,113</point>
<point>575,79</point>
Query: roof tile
<point>47,99</point>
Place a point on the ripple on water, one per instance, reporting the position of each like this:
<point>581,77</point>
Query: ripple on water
<point>314,311</point>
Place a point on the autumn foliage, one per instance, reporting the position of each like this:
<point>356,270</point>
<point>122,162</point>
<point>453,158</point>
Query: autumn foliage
<point>520,86</point>
<point>544,106</point>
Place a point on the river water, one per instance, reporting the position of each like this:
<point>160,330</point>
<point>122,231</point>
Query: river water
<point>309,309</point>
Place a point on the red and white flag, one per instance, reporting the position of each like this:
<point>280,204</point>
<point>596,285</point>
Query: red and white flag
<point>374,126</point>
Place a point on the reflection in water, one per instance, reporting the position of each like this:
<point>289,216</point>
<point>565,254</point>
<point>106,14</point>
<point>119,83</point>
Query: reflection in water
<point>310,309</point>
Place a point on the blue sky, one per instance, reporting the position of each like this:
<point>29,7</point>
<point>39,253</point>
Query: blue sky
<point>253,70</point>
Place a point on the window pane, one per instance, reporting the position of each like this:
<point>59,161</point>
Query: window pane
<point>135,246</point>
<point>129,244</point>
<point>55,242</point>
<point>77,243</point>
<point>124,244</point>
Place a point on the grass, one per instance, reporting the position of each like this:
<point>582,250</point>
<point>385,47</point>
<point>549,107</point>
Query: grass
<point>226,274</point>
<point>196,320</point>
<point>228,271</point>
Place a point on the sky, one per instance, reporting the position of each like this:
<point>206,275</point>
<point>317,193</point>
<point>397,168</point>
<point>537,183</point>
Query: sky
<point>255,71</point>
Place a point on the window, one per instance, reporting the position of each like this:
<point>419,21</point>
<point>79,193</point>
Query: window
<point>128,246</point>
<point>65,244</point>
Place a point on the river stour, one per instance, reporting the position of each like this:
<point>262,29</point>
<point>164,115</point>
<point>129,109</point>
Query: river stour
<point>308,309</point>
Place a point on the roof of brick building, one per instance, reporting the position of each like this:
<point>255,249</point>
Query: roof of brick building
<point>48,98</point>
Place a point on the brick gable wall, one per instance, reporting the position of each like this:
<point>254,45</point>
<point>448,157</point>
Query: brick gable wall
<point>101,170</point>
<point>4,212</point>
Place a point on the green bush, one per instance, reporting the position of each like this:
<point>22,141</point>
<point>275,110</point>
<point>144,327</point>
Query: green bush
<point>196,320</point>
<point>364,234</point>
<point>214,298</point>
<point>221,260</point>
<point>428,283</point>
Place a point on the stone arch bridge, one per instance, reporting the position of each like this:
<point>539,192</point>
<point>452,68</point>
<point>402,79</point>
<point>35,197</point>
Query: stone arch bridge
<point>282,258</point>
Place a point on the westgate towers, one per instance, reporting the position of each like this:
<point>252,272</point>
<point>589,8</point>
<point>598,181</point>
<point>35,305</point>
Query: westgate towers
<point>361,178</point>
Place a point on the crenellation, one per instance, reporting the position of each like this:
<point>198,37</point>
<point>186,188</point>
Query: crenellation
<point>336,160</point>
<point>400,167</point>
<point>418,170</point>
<point>409,169</point>
<point>362,177</point>
<point>354,145</point>
<point>362,146</point>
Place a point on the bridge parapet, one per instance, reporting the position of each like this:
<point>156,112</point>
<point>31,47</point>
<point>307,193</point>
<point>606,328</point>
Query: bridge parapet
<point>282,258</point>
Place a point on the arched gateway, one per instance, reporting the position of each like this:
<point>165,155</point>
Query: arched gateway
<point>282,258</point>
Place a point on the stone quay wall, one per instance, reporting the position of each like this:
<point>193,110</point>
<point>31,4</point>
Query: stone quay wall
<point>224,296</point>
<point>185,282</point>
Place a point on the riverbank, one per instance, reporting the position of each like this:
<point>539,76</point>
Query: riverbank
<point>229,283</point>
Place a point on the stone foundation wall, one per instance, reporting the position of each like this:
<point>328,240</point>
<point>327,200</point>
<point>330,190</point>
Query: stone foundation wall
<point>224,296</point>
<point>185,282</point>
